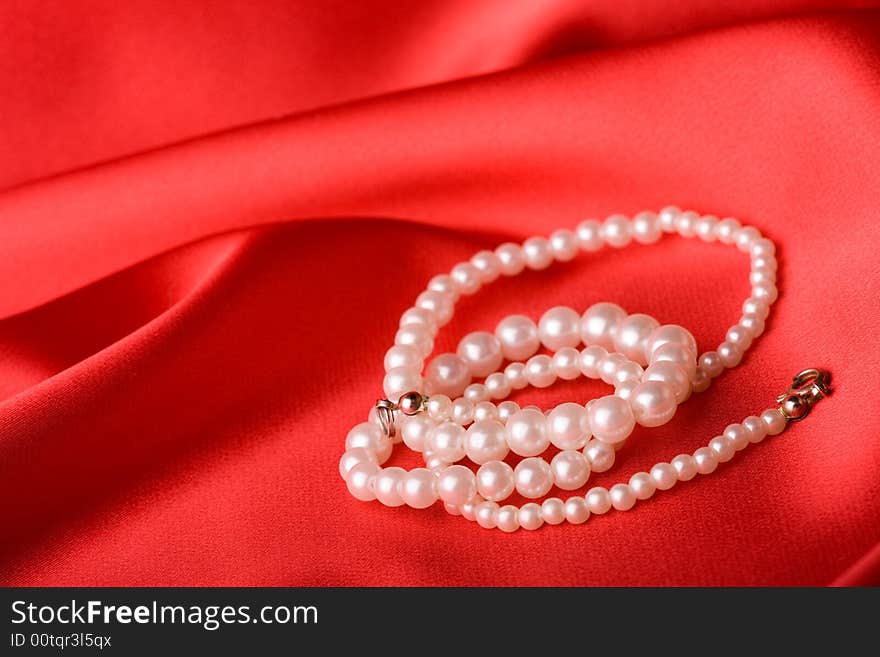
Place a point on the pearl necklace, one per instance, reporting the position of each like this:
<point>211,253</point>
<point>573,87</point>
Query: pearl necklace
<point>652,368</point>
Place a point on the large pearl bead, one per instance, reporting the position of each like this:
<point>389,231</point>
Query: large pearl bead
<point>559,327</point>
<point>570,469</point>
<point>600,455</point>
<point>672,375</point>
<point>678,354</point>
<point>456,485</point>
<point>495,481</point>
<point>533,477</point>
<point>360,481</point>
<point>414,431</point>
<point>670,333</point>
<point>446,441</point>
<point>399,380</point>
<point>419,488</point>
<point>352,457</point>
<point>653,403</point>
<point>526,432</point>
<point>632,335</point>
<point>484,441</point>
<point>371,438</point>
<point>447,374</point>
<point>611,419</point>
<point>599,323</point>
<point>518,336</point>
<point>568,426</point>
<point>387,486</point>
<point>481,351</point>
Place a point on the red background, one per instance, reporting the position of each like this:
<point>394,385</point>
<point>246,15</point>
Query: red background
<point>212,216</point>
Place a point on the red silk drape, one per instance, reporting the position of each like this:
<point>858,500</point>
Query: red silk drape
<point>213,215</point>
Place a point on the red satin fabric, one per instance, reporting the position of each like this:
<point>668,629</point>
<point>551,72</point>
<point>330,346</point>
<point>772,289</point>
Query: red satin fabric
<point>190,327</point>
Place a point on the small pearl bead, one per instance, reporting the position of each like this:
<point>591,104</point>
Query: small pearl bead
<point>599,323</point>
<point>476,393</point>
<point>484,441</point>
<point>538,253</point>
<point>439,407</point>
<point>386,486</point>
<point>403,355</point>
<point>623,498</point>
<point>609,366</point>
<point>766,291</point>
<point>488,264</point>
<point>756,428</point>
<point>360,481</point>
<point>469,508</point>
<point>667,218</point>
<point>495,480</point>
<point>414,431</point>
<point>600,455</point>
<point>526,433</point>
<point>642,485</point>
<point>722,448</point>
<point>447,374</point>
<point>705,227</point>
<point>611,419</point>
<point>417,336</point>
<point>568,426</point>
<point>726,230</point>
<point>653,403</point>
<point>553,511</point>
<point>570,469</point>
<point>530,516</point>
<point>686,224</point>
<point>442,304</point>
<point>355,456</point>
<point>508,518</point>
<point>462,411</point>
<point>419,488</point>
<point>774,420</point>
<point>753,324</point>
<point>511,259</point>
<point>710,363</point>
<point>481,351</point>
<point>765,262</point>
<point>589,234</point>
<point>564,244</point>
<point>497,385</point>
<point>576,510</point>
<point>678,354</point>
<point>516,376</point>
<point>399,380</point>
<point>617,230</point>
<point>598,500</point>
<point>485,410</point>
<point>559,327</point>
<point>539,371</point>
<point>419,316</point>
<point>506,410</point>
<point>745,237</point>
<point>739,336</point>
<point>646,228</point>
<point>371,438</point>
<point>755,306</point>
<point>451,509</point>
<point>518,337</point>
<point>625,390</point>
<point>664,476</point>
<point>672,375</point>
<point>456,485</point>
<point>435,463</point>
<point>701,381</point>
<point>566,363</point>
<point>684,466</point>
<point>444,283</point>
<point>446,441</point>
<point>631,336</point>
<point>467,278</point>
<point>705,460</point>
<point>762,275</point>
<point>737,435</point>
<point>486,515</point>
<point>729,354</point>
<point>590,360</point>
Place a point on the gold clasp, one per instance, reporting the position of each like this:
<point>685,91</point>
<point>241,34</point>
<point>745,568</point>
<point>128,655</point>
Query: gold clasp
<point>807,388</point>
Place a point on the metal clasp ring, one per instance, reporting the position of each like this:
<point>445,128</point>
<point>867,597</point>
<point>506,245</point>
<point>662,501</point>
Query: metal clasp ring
<point>806,389</point>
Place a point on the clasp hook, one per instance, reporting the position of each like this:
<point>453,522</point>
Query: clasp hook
<point>806,388</point>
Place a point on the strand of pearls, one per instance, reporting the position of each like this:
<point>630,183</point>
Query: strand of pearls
<point>438,411</point>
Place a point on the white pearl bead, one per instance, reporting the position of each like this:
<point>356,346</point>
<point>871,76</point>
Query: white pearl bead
<point>533,477</point>
<point>576,510</point>
<point>686,223</point>
<point>598,500</point>
<point>591,358</point>
<point>442,304</point>
<point>371,438</point>
<point>511,260</point>
<point>609,366</point>
<point>755,306</point>
<point>753,324</point>
<point>756,428</point>
<point>672,375</point>
<point>678,354</point>
<point>402,355</point>
<point>516,376</point>
<point>729,354</point>
<point>387,486</point>
<point>360,481</point>
<point>486,515</point>
<point>566,363</point>
<point>462,411</point>
<point>467,278</point>
<point>642,485</point>
<point>559,327</point>
<point>625,389</point>
<point>530,516</point>
<point>526,433</point>
<point>623,498</point>
<point>452,509</point>
<point>726,230</point>
<point>444,283</point>
<point>508,518</point>
<point>495,480</point>
<point>469,509</point>
<point>664,476</point>
<point>481,351</point>
<point>700,381</point>
<point>484,441</point>
<point>745,237</point>
<point>667,217</point>
<point>685,467</point>
<point>518,337</point>
<point>399,380</point>
<point>497,385</point>
<point>568,426</point>
<point>537,252</point>
<point>564,244</point>
<point>439,407</point>
<point>476,393</point>
<point>589,234</point>
<point>447,374</point>
<point>653,403</point>
<point>456,485</point>
<point>766,291</point>
<point>705,227</point>
<point>600,455</point>
<point>611,419</point>
<point>705,460</point>
<point>419,488</point>
<point>762,275</point>
<point>617,230</point>
<point>670,333</point>
<point>414,431</point>
<point>488,264</point>
<point>570,469</point>
<point>632,335</point>
<point>485,410</point>
<point>553,510</point>
<point>737,435</point>
<point>739,336</point>
<point>710,363</point>
<point>416,335</point>
<point>722,448</point>
<point>419,316</point>
<point>355,456</point>
<point>774,420</point>
<point>539,371</point>
<point>599,323</point>
<point>762,248</point>
<point>506,410</point>
<point>646,228</point>
<point>446,441</point>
